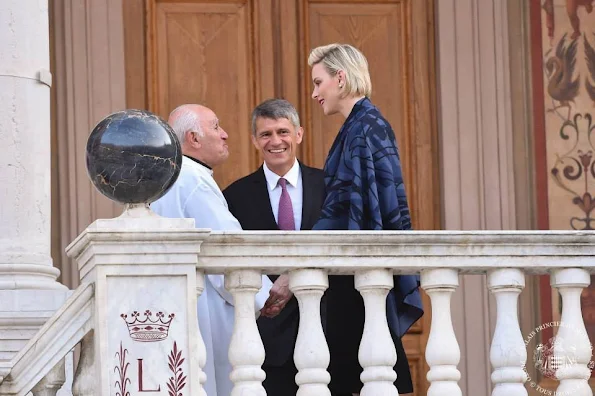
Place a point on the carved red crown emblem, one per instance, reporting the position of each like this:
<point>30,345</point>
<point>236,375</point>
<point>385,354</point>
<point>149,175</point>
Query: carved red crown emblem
<point>148,329</point>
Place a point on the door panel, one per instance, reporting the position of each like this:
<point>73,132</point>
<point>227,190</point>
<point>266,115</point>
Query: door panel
<point>397,38</point>
<point>368,30</point>
<point>202,53</point>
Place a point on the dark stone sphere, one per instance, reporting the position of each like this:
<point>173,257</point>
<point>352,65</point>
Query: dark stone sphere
<point>133,157</point>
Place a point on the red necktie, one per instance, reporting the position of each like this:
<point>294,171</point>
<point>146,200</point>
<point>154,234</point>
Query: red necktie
<point>285,215</point>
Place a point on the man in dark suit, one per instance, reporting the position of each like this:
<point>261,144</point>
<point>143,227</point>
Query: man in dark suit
<point>283,194</point>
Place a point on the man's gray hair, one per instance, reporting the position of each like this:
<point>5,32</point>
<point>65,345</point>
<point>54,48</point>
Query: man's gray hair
<point>185,120</point>
<point>275,109</point>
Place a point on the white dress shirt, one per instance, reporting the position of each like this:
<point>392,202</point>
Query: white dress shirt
<point>294,188</point>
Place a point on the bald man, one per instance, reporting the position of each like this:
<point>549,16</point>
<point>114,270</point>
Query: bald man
<point>195,194</point>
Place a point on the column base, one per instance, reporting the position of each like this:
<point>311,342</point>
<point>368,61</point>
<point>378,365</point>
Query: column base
<point>29,277</point>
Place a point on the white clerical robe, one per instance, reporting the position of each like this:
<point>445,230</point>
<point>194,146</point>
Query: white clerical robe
<point>195,194</point>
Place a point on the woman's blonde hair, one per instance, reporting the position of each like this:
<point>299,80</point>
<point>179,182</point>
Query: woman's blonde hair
<point>345,57</point>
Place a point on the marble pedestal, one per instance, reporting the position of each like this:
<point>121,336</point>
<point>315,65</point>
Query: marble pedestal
<point>146,336</point>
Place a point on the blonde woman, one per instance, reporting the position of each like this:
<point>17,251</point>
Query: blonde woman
<point>365,191</point>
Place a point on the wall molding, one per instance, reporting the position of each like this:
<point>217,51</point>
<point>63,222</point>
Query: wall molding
<point>486,175</point>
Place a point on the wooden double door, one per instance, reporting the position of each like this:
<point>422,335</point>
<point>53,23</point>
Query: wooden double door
<point>231,55</point>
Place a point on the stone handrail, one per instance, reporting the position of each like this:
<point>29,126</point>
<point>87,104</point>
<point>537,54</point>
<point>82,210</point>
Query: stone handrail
<point>43,357</point>
<point>404,252</point>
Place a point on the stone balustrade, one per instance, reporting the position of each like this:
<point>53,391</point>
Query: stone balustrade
<point>439,256</point>
<point>139,262</point>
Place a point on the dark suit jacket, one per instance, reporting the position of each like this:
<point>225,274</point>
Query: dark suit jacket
<point>248,200</point>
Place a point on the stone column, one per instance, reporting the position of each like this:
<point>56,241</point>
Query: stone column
<point>29,292</point>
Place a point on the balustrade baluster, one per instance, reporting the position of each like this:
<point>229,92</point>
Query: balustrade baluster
<point>442,351</point>
<point>246,351</point>
<point>377,354</point>
<point>52,382</point>
<point>572,350</point>
<point>84,383</point>
<point>508,353</point>
<point>311,353</point>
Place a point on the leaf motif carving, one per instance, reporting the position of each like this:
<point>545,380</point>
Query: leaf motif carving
<point>176,382</point>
